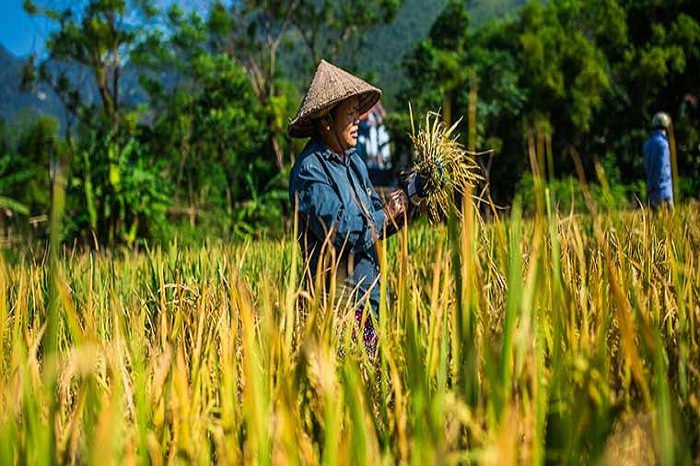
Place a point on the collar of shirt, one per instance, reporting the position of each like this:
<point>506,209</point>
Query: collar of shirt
<point>660,132</point>
<point>328,154</point>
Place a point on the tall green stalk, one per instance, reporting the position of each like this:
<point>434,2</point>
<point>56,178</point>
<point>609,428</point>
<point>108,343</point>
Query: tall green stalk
<point>50,344</point>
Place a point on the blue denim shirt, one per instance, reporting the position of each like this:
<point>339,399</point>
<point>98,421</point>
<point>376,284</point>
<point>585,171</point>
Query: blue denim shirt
<point>333,194</point>
<point>657,164</point>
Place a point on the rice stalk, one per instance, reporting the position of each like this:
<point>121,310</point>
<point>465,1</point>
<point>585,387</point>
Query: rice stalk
<point>528,341</point>
<point>447,168</point>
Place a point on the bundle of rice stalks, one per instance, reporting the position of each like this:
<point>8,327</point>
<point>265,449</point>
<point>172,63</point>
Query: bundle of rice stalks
<point>444,166</point>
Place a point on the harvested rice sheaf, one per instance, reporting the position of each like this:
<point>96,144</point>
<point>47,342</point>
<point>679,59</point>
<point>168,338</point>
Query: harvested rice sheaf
<point>443,164</point>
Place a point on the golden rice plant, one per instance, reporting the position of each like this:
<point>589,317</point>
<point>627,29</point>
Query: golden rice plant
<point>564,339</point>
<point>447,166</point>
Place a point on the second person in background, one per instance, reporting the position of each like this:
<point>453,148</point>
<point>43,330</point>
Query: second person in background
<point>657,164</point>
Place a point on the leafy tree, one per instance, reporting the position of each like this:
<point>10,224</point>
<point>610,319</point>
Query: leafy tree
<point>36,142</point>
<point>437,67</point>
<point>441,71</point>
<point>208,123</point>
<point>501,102</point>
<point>566,75</point>
<point>542,70</point>
<point>96,37</point>
<point>26,148</point>
<point>141,202</point>
<point>12,178</point>
<point>449,35</point>
<point>251,32</point>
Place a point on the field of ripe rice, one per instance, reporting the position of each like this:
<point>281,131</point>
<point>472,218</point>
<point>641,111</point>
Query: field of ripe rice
<point>552,340</point>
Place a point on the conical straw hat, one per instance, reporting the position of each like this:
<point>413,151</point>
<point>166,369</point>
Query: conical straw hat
<point>330,86</point>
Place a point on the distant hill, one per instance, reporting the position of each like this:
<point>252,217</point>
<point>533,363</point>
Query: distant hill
<point>386,46</point>
<point>12,100</point>
<point>43,100</point>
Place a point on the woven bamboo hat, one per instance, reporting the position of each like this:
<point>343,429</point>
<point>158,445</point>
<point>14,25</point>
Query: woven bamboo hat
<point>330,86</point>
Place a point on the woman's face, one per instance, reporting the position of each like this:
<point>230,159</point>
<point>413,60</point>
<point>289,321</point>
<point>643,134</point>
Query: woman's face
<point>346,118</point>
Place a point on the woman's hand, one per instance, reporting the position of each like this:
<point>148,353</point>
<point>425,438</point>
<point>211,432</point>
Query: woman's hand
<point>395,209</point>
<point>421,183</point>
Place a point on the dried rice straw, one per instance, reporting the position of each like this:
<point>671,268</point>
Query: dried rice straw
<point>442,160</point>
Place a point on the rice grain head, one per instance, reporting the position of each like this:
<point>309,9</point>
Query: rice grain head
<point>441,159</point>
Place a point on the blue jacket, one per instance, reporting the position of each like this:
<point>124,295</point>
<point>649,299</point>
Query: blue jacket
<point>335,199</point>
<point>657,164</point>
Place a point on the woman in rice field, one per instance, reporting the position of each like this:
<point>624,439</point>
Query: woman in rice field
<point>340,214</point>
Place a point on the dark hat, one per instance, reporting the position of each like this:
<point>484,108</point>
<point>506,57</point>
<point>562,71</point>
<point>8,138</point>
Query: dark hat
<point>330,86</point>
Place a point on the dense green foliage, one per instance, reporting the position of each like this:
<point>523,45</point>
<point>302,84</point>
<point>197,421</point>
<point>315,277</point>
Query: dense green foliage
<point>200,147</point>
<point>586,74</point>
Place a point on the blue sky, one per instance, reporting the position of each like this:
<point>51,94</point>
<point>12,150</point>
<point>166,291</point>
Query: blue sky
<point>20,33</point>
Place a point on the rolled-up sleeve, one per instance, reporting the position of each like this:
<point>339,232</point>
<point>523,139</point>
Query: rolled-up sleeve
<point>379,206</point>
<point>325,211</point>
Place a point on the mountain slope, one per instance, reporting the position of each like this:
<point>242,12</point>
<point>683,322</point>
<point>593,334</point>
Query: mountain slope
<point>12,99</point>
<point>385,46</point>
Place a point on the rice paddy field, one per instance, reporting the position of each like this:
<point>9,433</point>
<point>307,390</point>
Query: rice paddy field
<point>558,339</point>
